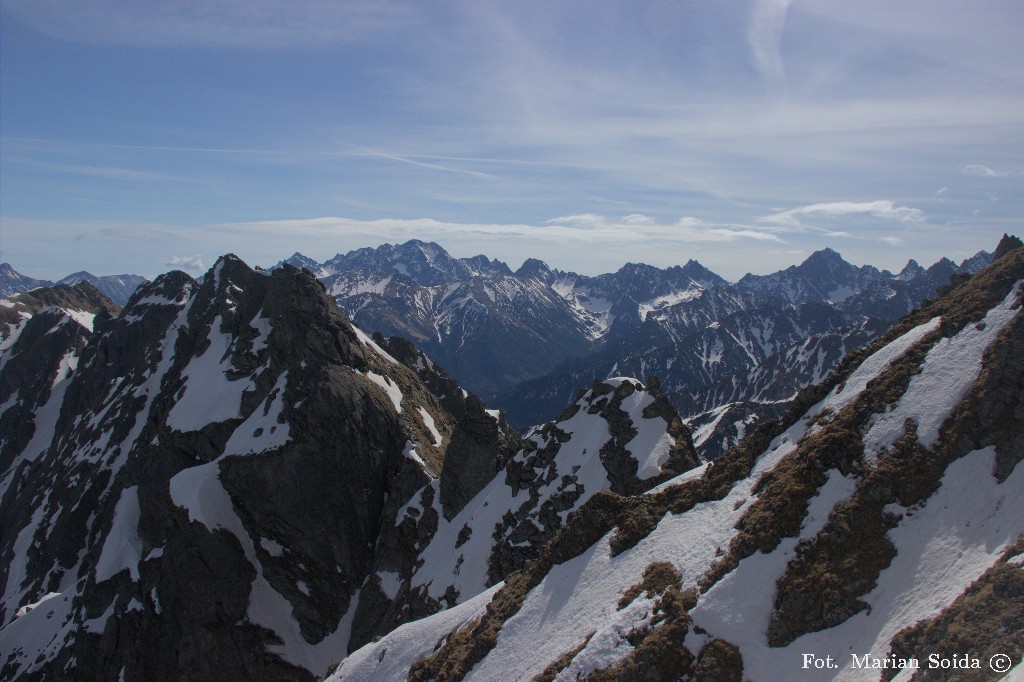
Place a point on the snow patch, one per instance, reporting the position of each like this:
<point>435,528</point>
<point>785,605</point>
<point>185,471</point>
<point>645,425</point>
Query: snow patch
<point>29,607</point>
<point>428,421</point>
<point>272,547</point>
<point>389,386</point>
<point>264,429</point>
<point>122,548</point>
<point>389,583</point>
<point>81,317</point>
<point>388,659</point>
<point>367,341</point>
<point>874,365</point>
<point>209,395</point>
<point>651,445</point>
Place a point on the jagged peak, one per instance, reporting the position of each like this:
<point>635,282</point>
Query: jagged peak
<point>77,276</point>
<point>82,296</point>
<point>533,268</point>
<point>227,265</point>
<point>482,265</point>
<point>1006,244</point>
<point>696,271</point>
<point>175,285</point>
<point>827,257</point>
<point>910,270</point>
<point>637,269</point>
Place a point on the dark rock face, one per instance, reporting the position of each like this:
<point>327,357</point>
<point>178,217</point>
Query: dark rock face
<point>207,495</point>
<point>447,390</point>
<point>480,446</point>
<point>440,551</point>
<point>42,344</point>
<point>1007,244</point>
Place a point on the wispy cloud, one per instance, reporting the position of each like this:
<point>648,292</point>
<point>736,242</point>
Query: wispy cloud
<point>186,262</point>
<point>688,230</point>
<point>412,161</point>
<point>593,229</point>
<point>985,171</point>
<point>105,172</point>
<point>765,35</point>
<point>882,210</point>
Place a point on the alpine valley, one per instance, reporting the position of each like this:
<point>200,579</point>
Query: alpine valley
<point>288,474</point>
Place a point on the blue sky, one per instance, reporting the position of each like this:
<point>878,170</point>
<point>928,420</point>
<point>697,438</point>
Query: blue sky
<point>141,136</point>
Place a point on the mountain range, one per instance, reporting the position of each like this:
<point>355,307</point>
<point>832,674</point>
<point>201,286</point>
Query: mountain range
<point>728,355</point>
<point>229,480</point>
<point>118,288</point>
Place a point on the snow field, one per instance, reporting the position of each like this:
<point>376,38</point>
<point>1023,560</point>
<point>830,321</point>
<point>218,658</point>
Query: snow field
<point>209,396</point>
<point>949,370</point>
<point>560,612</point>
<point>389,659</point>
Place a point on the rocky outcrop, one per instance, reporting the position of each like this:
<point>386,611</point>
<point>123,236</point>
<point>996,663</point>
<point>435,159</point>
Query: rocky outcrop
<point>481,445</point>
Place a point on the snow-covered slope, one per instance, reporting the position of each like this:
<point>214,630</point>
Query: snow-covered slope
<point>868,523</point>
<point>618,436</point>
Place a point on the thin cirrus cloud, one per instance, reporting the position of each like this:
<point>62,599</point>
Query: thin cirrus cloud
<point>688,230</point>
<point>765,36</point>
<point>591,229</point>
<point>881,210</point>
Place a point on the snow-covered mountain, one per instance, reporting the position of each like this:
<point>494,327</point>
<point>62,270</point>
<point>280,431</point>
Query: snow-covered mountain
<point>13,282</point>
<point>877,521</point>
<point>228,480</point>
<point>527,340</point>
<point>201,477</point>
<point>118,288</point>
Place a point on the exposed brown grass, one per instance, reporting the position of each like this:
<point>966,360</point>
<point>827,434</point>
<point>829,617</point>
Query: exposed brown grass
<point>562,662</point>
